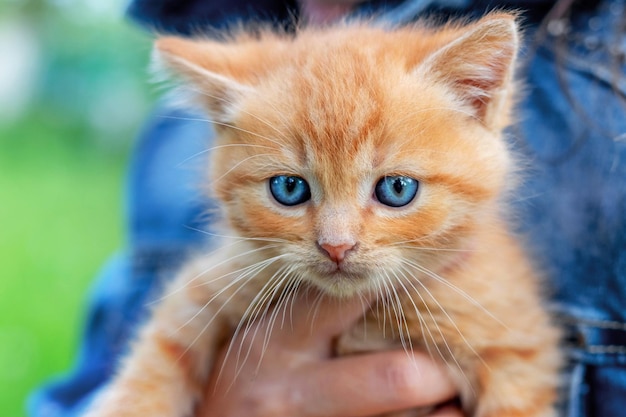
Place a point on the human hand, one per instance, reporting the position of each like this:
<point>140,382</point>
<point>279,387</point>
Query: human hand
<point>295,374</point>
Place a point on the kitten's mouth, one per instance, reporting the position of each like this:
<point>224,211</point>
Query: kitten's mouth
<point>338,269</point>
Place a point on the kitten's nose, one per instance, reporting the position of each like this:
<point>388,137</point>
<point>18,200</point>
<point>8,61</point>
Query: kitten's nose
<point>336,252</point>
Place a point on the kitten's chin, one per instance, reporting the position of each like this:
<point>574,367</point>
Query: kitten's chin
<point>340,283</point>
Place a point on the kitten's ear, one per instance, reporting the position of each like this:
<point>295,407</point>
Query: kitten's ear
<point>201,67</point>
<point>479,65</point>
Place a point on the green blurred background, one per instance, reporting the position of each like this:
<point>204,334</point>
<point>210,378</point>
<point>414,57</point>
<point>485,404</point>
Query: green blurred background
<point>73,93</point>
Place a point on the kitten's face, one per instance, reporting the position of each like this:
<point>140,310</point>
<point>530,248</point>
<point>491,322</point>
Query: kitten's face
<point>357,165</point>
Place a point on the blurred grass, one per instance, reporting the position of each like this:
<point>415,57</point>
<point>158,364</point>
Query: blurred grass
<point>60,214</point>
<point>62,167</point>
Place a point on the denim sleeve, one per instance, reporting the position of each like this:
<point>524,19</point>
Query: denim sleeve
<point>573,202</point>
<point>104,335</point>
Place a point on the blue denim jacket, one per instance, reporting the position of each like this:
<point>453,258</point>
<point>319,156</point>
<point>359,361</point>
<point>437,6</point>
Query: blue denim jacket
<point>572,206</point>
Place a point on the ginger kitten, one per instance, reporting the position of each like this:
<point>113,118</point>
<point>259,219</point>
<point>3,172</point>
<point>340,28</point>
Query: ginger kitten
<point>357,160</point>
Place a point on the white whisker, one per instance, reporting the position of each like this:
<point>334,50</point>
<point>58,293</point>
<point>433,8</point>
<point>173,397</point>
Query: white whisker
<point>215,315</point>
<point>187,285</point>
<point>423,325</point>
<point>215,122</point>
<point>443,338</point>
<point>403,326</point>
<point>269,322</point>
<point>239,108</point>
<point>454,288</point>
<point>438,328</point>
<point>248,272</point>
<point>280,303</point>
<point>211,149</point>
<point>403,245</point>
<point>364,306</point>
<point>387,284</point>
<point>383,301</point>
<point>315,309</point>
<point>234,167</point>
<point>238,238</point>
<point>264,298</point>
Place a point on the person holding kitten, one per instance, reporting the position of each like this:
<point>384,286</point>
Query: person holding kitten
<point>572,207</point>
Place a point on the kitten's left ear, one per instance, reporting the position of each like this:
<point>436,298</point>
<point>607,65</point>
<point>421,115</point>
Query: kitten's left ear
<point>202,66</point>
<point>478,66</point>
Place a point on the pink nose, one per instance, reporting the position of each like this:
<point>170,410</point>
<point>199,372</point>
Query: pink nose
<point>336,253</point>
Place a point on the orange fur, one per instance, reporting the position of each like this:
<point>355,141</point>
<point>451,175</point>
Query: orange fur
<point>342,107</point>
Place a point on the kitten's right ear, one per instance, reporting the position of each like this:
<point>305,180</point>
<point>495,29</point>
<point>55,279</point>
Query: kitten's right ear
<point>202,75</point>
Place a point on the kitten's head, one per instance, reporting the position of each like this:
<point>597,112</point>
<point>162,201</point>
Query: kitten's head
<point>362,154</point>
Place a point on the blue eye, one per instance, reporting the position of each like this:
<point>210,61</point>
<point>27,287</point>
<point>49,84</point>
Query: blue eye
<point>290,191</point>
<point>396,191</point>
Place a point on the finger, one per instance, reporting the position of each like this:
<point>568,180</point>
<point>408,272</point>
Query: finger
<point>372,384</point>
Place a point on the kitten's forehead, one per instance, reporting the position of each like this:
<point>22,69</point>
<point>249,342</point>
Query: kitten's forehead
<point>339,141</point>
<point>340,93</point>
<point>337,105</point>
